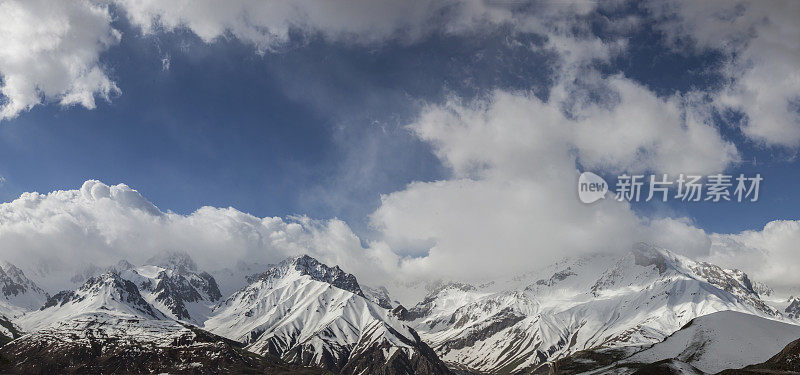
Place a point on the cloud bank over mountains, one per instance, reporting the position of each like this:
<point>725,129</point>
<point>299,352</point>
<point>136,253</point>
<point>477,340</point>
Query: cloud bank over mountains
<point>53,236</point>
<point>60,233</point>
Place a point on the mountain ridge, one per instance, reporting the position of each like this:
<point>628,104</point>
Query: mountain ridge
<point>302,312</point>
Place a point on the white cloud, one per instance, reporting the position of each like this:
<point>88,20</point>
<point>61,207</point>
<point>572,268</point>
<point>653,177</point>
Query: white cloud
<point>51,52</point>
<point>768,255</point>
<point>512,201</point>
<point>268,24</point>
<point>54,235</point>
<point>762,48</point>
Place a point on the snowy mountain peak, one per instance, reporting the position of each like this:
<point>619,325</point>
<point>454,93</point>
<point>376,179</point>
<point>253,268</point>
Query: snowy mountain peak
<point>380,296</point>
<point>177,291</point>
<point>599,301</point>
<point>306,265</point>
<point>308,313</point>
<point>18,292</point>
<point>15,282</point>
<point>464,287</point>
<point>649,255</point>
<point>93,270</point>
<point>108,293</point>
<point>123,265</point>
<point>793,310</point>
<point>179,260</point>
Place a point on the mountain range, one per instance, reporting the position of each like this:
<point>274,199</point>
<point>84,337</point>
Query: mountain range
<point>647,310</point>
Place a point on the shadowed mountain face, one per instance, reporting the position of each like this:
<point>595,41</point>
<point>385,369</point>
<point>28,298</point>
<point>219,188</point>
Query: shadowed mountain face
<point>722,340</point>
<point>17,292</point>
<point>793,310</point>
<point>177,290</point>
<point>787,361</point>
<point>105,344</point>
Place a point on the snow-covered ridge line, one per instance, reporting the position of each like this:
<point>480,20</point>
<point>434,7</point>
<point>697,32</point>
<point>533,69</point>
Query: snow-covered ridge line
<point>311,314</point>
<point>299,310</point>
<point>596,301</point>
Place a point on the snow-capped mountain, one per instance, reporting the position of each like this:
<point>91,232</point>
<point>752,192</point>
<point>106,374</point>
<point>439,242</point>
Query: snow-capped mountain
<point>722,340</point>
<point>92,270</point>
<point>577,314</point>
<point>107,326</point>
<point>19,294</point>
<point>104,343</point>
<point>599,301</point>
<point>380,296</point>
<point>793,309</point>
<point>173,259</point>
<point>172,284</point>
<point>308,313</point>
<point>787,361</point>
<point>108,293</point>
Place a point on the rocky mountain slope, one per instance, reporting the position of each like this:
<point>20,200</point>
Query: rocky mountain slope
<point>107,326</point>
<point>308,313</point>
<point>102,343</point>
<point>793,309</point>
<point>174,286</point>
<point>600,301</point>
<point>108,293</point>
<point>18,294</point>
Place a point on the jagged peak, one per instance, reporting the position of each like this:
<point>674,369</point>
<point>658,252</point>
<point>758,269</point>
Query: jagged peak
<point>109,278</point>
<point>649,255</point>
<point>379,295</point>
<point>317,270</point>
<point>793,309</point>
<point>13,272</point>
<point>123,265</point>
<point>13,282</point>
<point>99,288</point>
<point>453,285</point>
<point>173,259</point>
<point>10,268</point>
<point>91,270</point>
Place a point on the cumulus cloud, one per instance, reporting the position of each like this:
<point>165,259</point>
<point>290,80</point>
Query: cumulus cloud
<point>762,48</point>
<point>51,53</point>
<point>511,202</point>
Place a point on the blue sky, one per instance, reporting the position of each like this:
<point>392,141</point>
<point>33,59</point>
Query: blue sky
<point>317,127</point>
